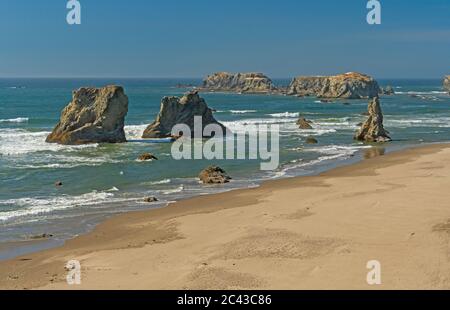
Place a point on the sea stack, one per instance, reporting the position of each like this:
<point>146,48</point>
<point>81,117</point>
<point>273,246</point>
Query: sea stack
<point>239,83</point>
<point>176,110</point>
<point>350,85</point>
<point>447,83</point>
<point>95,115</point>
<point>387,91</point>
<point>372,129</point>
<point>214,175</point>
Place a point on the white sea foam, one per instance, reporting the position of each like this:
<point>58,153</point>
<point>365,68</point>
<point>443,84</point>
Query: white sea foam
<point>341,150</point>
<point>179,189</point>
<point>286,114</point>
<point>21,141</point>
<point>43,205</point>
<point>242,111</point>
<point>134,131</point>
<point>15,120</point>
<point>165,181</point>
<point>330,152</point>
<point>442,122</point>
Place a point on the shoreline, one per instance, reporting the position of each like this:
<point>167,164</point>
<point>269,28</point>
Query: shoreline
<point>140,231</point>
<point>28,246</point>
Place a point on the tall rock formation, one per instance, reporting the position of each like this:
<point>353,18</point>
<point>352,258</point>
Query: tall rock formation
<point>349,86</point>
<point>372,129</point>
<point>175,110</point>
<point>447,83</point>
<point>239,83</point>
<point>95,115</point>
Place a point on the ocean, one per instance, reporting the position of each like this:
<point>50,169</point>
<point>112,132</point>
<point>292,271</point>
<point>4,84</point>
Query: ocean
<point>102,180</point>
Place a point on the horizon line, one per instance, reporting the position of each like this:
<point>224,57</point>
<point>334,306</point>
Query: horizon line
<point>202,77</point>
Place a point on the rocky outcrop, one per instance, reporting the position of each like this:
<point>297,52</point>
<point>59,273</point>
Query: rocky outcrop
<point>175,110</point>
<point>349,85</point>
<point>147,157</point>
<point>239,83</point>
<point>150,199</point>
<point>214,175</point>
<point>373,130</point>
<point>447,83</point>
<point>95,115</point>
<point>311,140</point>
<point>304,123</point>
<point>387,91</point>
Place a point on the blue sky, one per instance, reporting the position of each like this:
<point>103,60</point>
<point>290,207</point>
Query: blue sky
<point>191,38</point>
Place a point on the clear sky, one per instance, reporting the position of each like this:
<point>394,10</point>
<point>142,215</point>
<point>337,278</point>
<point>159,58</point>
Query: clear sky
<point>191,38</point>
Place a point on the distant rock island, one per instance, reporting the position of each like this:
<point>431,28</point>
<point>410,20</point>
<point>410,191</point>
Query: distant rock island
<point>95,115</point>
<point>175,110</point>
<point>447,83</point>
<point>239,83</point>
<point>350,85</point>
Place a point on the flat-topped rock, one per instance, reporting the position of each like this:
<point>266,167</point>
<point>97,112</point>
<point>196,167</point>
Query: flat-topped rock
<point>238,82</point>
<point>372,130</point>
<point>350,85</point>
<point>176,110</point>
<point>95,115</point>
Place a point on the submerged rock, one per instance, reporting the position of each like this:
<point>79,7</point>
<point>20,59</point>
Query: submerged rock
<point>214,175</point>
<point>147,156</point>
<point>175,110</point>
<point>150,199</point>
<point>311,140</point>
<point>95,115</point>
<point>388,91</point>
<point>372,129</point>
<point>447,83</point>
<point>304,123</point>
<point>350,85</point>
<point>42,236</point>
<point>239,82</point>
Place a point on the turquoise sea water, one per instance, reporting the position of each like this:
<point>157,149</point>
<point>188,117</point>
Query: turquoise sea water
<point>100,180</point>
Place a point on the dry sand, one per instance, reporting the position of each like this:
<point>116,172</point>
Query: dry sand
<point>314,232</point>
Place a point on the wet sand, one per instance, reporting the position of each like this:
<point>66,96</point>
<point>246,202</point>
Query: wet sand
<point>315,232</point>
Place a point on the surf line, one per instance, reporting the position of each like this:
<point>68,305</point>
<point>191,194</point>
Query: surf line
<point>250,143</point>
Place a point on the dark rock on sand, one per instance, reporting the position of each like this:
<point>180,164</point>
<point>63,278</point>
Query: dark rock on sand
<point>42,236</point>
<point>214,175</point>
<point>350,85</point>
<point>239,83</point>
<point>311,140</point>
<point>373,130</point>
<point>150,199</point>
<point>304,123</point>
<point>175,110</point>
<point>147,156</point>
<point>95,115</point>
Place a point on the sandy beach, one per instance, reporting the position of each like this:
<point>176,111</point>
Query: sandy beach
<point>314,232</point>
